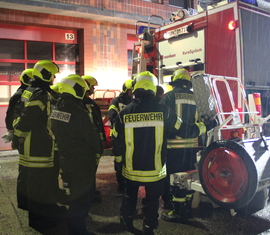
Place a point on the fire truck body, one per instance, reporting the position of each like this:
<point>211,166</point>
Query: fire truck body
<point>225,49</point>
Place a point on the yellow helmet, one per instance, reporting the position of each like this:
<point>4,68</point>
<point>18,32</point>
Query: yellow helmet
<point>147,81</point>
<point>45,70</point>
<point>26,76</point>
<point>91,81</point>
<point>55,87</point>
<point>127,85</point>
<point>182,74</point>
<point>73,85</point>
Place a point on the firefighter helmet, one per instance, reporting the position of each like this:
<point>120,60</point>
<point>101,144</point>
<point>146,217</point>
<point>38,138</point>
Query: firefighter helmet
<point>182,74</point>
<point>128,85</point>
<point>55,87</point>
<point>45,70</point>
<point>146,81</point>
<point>91,81</point>
<point>26,76</point>
<point>73,85</point>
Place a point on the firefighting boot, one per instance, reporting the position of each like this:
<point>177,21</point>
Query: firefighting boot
<point>178,215</point>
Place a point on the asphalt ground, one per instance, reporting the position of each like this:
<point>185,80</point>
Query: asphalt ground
<point>104,217</point>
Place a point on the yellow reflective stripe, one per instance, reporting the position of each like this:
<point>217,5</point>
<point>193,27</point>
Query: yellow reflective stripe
<point>35,103</point>
<point>182,143</point>
<point>49,123</point>
<point>20,133</point>
<point>144,124</point>
<point>201,127</point>
<point>113,132</point>
<point>37,162</point>
<point>118,159</point>
<point>182,199</point>
<point>15,121</point>
<point>26,144</point>
<point>144,176</point>
<point>189,195</point>
<point>178,123</point>
<point>158,142</point>
<point>129,142</point>
<point>114,108</point>
<point>101,135</point>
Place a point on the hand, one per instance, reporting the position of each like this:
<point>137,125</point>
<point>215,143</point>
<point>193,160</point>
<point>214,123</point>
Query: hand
<point>8,136</point>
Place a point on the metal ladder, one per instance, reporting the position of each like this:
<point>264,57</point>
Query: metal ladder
<point>139,62</point>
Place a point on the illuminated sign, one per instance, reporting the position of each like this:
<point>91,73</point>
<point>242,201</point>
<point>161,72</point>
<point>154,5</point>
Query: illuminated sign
<point>179,31</point>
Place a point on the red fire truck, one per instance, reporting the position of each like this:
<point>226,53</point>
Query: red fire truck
<point>227,51</point>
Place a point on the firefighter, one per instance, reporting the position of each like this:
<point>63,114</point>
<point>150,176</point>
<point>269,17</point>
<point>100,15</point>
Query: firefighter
<point>181,151</point>
<point>95,115</point>
<point>140,133</point>
<point>12,112</point>
<point>117,104</point>
<point>36,179</point>
<point>78,143</point>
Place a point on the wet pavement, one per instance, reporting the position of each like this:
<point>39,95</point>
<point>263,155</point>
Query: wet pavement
<point>104,217</point>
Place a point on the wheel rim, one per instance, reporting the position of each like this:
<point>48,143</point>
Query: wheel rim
<point>225,175</point>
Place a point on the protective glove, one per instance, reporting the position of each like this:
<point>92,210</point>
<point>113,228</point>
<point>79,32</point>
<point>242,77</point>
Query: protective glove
<point>210,124</point>
<point>8,136</point>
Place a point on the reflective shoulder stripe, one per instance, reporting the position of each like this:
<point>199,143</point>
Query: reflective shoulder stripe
<point>35,103</point>
<point>202,128</point>
<point>114,108</point>
<point>118,159</point>
<point>178,123</point>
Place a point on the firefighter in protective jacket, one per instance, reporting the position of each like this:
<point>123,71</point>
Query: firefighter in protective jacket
<point>33,134</point>
<point>117,104</point>
<point>13,106</point>
<point>141,131</point>
<point>78,143</point>
<point>181,151</point>
<point>95,115</point>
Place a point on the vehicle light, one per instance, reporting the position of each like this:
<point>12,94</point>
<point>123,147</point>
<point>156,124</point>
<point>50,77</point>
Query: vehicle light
<point>235,134</point>
<point>232,25</point>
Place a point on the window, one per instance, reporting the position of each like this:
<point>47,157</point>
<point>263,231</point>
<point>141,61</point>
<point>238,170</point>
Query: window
<point>11,49</point>
<point>13,61</point>
<point>155,1</point>
<point>39,50</point>
<point>179,3</point>
<point>66,52</point>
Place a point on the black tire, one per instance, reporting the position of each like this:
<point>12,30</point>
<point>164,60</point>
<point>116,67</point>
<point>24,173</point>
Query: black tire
<point>228,174</point>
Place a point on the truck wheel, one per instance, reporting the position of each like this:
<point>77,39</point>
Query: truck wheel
<point>228,174</point>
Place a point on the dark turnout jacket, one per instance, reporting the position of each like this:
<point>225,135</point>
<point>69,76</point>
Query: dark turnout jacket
<point>33,124</point>
<point>75,134</point>
<point>141,132</point>
<point>12,106</point>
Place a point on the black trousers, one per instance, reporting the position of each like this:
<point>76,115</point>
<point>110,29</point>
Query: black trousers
<point>82,191</point>
<point>35,193</point>
<point>178,160</point>
<point>153,192</point>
